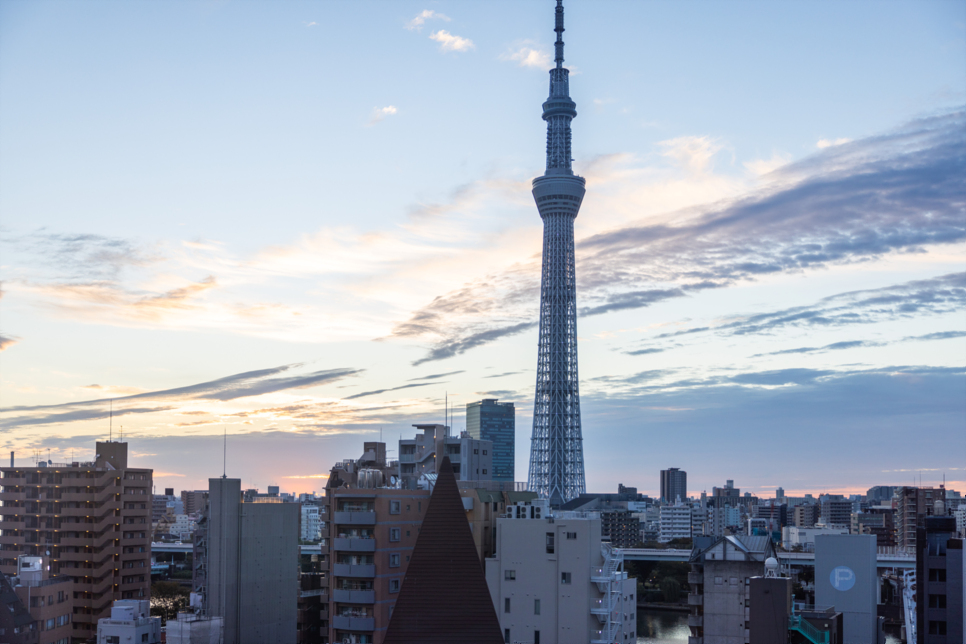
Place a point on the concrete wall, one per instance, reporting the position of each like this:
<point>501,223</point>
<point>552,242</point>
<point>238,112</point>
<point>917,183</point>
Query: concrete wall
<point>724,599</point>
<point>268,573</point>
<point>224,497</point>
<point>846,578</point>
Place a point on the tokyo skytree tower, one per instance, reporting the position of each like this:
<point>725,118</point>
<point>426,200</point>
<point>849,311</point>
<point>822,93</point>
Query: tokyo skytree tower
<point>556,445</point>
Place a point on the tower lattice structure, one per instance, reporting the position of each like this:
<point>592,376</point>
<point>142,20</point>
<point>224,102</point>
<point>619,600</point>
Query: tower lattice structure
<point>556,445</point>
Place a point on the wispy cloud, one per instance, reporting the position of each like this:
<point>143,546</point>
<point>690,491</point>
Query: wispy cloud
<point>6,342</point>
<point>828,143</point>
<point>427,14</point>
<point>451,42</point>
<point>526,54</point>
<point>381,391</point>
<point>380,113</point>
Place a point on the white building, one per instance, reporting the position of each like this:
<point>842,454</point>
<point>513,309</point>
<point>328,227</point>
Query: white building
<point>675,522</point>
<point>960,515</point>
<point>804,538</point>
<point>311,523</point>
<point>130,621</point>
<point>554,581</point>
<point>190,628</point>
<point>184,526</point>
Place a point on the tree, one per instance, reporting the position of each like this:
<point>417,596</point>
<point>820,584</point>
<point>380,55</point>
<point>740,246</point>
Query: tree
<point>671,589</point>
<point>167,599</point>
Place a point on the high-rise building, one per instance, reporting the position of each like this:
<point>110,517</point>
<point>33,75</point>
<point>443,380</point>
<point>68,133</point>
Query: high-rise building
<point>94,520</point>
<point>805,516</point>
<point>194,500</point>
<point>494,421</point>
<point>556,445</point>
<point>246,564</point>
<point>674,485</point>
<point>913,504</point>
<point>675,522</point>
<point>939,582</point>
<point>836,512</point>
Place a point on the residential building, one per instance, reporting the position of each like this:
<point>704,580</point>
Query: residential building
<point>94,519</point>
<point>472,458</point>
<point>878,521</point>
<point>194,628</point>
<point>50,600</point>
<point>620,527</point>
<point>805,516</point>
<point>483,506</point>
<point>674,485</point>
<point>166,503</point>
<point>444,597</point>
<point>194,501</point>
<point>913,504</point>
<point>493,421</point>
<point>836,511</point>
<point>183,527</point>
<point>939,582</point>
<point>311,527</point>
<point>17,625</point>
<point>372,531</point>
<point>675,522</point>
<point>724,519</point>
<point>246,551</point>
<point>721,568</point>
<point>797,538</point>
<point>553,580</point>
<point>130,621</point>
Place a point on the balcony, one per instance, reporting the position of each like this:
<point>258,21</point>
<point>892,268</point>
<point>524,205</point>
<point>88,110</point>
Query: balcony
<point>354,545</point>
<point>695,600</point>
<point>696,621</point>
<point>355,518</point>
<point>407,458</point>
<point>354,596</point>
<point>695,578</point>
<point>353,623</point>
<point>354,570</point>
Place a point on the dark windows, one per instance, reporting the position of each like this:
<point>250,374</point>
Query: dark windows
<point>937,628</point>
<point>394,560</point>
<point>550,547</point>
<point>937,601</point>
<point>506,604</point>
<point>937,574</point>
<point>394,534</point>
<point>506,636</point>
<point>510,575</point>
<point>565,578</point>
<point>536,637</point>
<point>394,585</point>
<point>395,507</point>
<point>536,606</point>
<point>571,535</point>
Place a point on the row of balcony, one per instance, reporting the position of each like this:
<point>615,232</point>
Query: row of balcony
<point>354,544</point>
<point>354,570</point>
<point>355,518</point>
<point>344,622</point>
<point>353,596</point>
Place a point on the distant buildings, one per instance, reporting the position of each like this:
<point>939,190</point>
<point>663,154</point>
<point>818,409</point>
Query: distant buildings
<point>94,519</point>
<point>311,526</point>
<point>913,504</point>
<point>245,558</point>
<point>836,511</point>
<point>194,500</point>
<point>166,503</point>
<point>674,485</point>
<point>130,621</point>
<point>494,421</point>
<point>720,571</point>
<point>675,522</point>
<point>939,582</point>
<point>805,516</point>
<point>553,580</point>
<point>622,528</point>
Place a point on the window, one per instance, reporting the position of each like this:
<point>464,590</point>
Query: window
<point>536,637</point>
<point>484,470</point>
<point>394,560</point>
<point>937,628</point>
<point>565,578</point>
<point>476,451</point>
<point>937,601</point>
<point>506,604</point>
<point>572,535</point>
<point>510,575</point>
<point>144,637</point>
<point>550,543</point>
<point>407,533</point>
<point>113,639</point>
<point>484,452</point>
<point>937,574</point>
<point>49,624</point>
<point>394,534</point>
<point>536,606</point>
<point>506,635</point>
<point>718,581</point>
<point>395,507</point>
<point>394,585</point>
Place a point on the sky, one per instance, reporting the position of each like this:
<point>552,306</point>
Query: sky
<point>306,225</point>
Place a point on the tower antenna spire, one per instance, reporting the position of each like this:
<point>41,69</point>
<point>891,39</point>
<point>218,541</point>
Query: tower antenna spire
<point>559,28</point>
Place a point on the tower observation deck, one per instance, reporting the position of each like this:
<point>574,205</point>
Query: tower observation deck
<point>556,445</point>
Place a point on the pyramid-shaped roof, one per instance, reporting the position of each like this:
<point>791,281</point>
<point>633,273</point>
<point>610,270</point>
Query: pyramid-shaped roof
<point>444,597</point>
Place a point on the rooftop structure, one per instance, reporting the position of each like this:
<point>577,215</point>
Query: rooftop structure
<point>556,445</point>
<point>471,458</point>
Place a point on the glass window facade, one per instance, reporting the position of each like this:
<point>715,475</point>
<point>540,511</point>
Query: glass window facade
<point>496,422</point>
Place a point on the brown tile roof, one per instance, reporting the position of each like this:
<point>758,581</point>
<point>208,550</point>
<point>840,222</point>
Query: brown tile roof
<point>444,598</point>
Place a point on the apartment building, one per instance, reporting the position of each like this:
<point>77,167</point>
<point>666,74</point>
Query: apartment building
<point>913,504</point>
<point>94,520</point>
<point>553,580</point>
<point>50,600</point>
<point>471,458</point>
<point>675,522</point>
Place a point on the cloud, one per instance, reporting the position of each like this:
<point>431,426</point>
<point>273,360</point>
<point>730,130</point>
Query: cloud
<point>828,143</point>
<point>458,345</point>
<point>380,113</point>
<point>437,376</point>
<point>380,391</point>
<point>427,14</point>
<point>693,153</point>
<point>857,344</point>
<point>526,55</point>
<point>451,42</point>
<point>311,24</point>
<point>7,341</point>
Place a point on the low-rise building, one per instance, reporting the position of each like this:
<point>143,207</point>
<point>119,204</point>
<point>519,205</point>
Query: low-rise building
<point>472,458</point>
<point>676,522</point>
<point>794,537</point>
<point>50,599</point>
<point>553,580</point>
<point>621,527</point>
<point>130,621</point>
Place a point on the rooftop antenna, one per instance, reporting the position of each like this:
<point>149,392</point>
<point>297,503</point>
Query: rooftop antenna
<point>110,436</point>
<point>224,471</point>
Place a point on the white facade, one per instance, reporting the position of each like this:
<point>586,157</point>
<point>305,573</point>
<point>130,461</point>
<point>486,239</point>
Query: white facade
<point>194,629</point>
<point>805,537</point>
<point>184,526</point>
<point>130,622</point>
<point>553,580</point>
<point>675,522</point>
<point>311,523</point>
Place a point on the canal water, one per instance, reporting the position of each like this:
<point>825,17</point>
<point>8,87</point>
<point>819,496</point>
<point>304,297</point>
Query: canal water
<point>671,627</point>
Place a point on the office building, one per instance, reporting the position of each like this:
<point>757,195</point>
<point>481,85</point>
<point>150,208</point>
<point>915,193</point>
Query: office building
<point>675,522</point>
<point>494,421</point>
<point>444,597</point>
<point>94,520</point>
<point>372,530</point>
<point>620,527</point>
<point>130,621</point>
<point>880,494</point>
<point>913,505</point>
<point>194,501</point>
<point>674,485</point>
<point>836,511</point>
<point>940,568</point>
<point>50,600</point>
<point>167,503</point>
<point>805,516</point>
<point>247,551</point>
<point>877,521</point>
<point>556,444</point>
<point>472,458</point>
<point>846,578</point>
<point>552,581</point>
<point>720,571</point>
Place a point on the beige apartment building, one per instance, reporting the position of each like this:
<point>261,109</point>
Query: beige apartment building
<point>91,519</point>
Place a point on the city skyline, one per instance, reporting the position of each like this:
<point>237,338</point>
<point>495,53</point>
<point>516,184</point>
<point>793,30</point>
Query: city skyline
<point>253,218</point>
